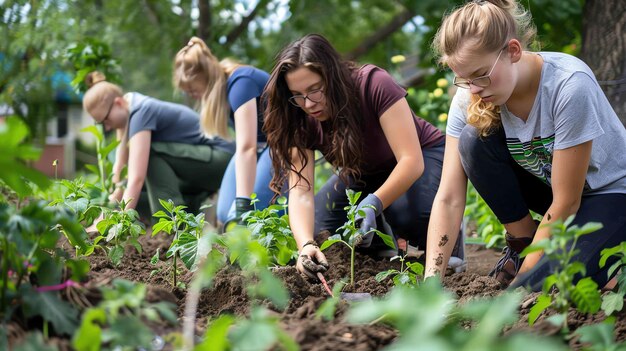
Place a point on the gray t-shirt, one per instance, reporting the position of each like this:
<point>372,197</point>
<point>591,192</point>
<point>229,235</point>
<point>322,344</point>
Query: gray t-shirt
<point>169,122</point>
<point>570,109</point>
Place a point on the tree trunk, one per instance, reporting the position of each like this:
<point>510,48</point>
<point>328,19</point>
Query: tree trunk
<point>604,48</point>
<point>204,20</point>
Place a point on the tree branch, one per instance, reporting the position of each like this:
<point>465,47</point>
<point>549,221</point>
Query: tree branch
<point>237,31</point>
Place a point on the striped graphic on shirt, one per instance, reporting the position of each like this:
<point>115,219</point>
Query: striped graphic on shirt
<point>535,155</point>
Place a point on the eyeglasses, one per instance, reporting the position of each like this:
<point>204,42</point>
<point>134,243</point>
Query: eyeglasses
<point>313,95</point>
<point>108,113</point>
<point>482,81</point>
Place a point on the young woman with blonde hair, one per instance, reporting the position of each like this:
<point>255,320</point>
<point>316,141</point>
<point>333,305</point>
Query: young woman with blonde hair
<point>230,93</point>
<point>531,131</point>
<point>160,143</point>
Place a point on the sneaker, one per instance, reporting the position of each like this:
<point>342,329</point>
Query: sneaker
<point>509,264</point>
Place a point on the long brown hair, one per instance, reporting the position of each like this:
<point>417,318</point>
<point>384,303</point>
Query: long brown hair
<point>196,63</point>
<point>286,125</point>
<point>485,25</point>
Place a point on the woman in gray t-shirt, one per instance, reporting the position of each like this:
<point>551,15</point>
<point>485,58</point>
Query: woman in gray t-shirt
<point>160,143</point>
<point>531,131</point>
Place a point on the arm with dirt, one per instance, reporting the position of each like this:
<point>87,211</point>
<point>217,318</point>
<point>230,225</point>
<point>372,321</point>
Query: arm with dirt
<point>447,211</point>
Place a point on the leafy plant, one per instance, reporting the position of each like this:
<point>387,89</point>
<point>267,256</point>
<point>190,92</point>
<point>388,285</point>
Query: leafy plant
<point>600,337</point>
<point>73,195</point>
<point>104,168</point>
<point>560,247</point>
<point>14,153</point>
<point>614,301</point>
<point>33,269</point>
<point>349,233</point>
<point>118,229</point>
<point>272,231</point>
<point>190,243</point>
<point>428,318</point>
<point>90,55</point>
<point>261,332</point>
<point>407,275</point>
<point>118,322</point>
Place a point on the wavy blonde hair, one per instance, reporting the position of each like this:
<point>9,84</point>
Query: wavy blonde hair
<point>196,63</point>
<point>485,26</point>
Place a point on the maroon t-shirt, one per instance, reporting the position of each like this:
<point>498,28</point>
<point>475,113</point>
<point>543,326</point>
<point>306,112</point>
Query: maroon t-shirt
<point>378,92</point>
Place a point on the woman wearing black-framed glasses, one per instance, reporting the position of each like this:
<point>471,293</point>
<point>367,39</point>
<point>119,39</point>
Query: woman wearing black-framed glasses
<point>360,120</point>
<point>160,144</point>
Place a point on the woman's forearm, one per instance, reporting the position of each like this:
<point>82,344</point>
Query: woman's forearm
<point>443,231</point>
<point>404,174</point>
<point>245,165</point>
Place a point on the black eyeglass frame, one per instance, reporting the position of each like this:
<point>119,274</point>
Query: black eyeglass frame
<point>294,99</point>
<point>108,113</point>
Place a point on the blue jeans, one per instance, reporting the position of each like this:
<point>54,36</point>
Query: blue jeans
<point>261,185</point>
<point>511,191</point>
<point>408,216</point>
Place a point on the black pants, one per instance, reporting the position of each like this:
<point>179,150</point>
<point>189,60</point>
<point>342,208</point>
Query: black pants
<point>510,191</point>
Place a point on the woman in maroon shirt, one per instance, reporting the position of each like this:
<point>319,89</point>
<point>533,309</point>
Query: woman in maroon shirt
<point>359,119</point>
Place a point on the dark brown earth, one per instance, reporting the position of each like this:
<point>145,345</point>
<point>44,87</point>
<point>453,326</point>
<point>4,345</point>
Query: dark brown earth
<point>228,295</point>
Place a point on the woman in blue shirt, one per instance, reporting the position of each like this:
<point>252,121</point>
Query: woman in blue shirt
<point>230,93</point>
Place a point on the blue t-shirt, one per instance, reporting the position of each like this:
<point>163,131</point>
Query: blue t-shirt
<point>169,122</point>
<point>245,84</point>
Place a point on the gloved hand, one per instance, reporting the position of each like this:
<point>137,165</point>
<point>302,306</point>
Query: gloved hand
<point>311,260</point>
<point>371,207</point>
<point>240,206</point>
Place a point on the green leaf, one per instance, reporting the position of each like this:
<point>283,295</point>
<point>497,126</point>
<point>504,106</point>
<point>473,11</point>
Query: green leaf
<point>62,315</point>
<point>385,274</point>
<point>116,253</point>
<point>542,303</point>
<point>600,335</point>
<point>612,302</point>
<point>327,309</point>
<point>606,253</point>
<point>187,249</point>
<point>216,335</point>
<point>162,226</point>
<point>89,335</point>
<point>586,296</point>
<point>326,244</point>
<point>34,342</point>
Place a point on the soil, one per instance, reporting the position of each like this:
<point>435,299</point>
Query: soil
<point>228,295</point>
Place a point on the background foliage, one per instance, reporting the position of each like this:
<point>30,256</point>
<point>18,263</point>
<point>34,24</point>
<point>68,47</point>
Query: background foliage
<point>143,37</point>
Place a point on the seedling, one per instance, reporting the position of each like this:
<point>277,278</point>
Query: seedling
<point>349,233</point>
<point>272,231</point>
<point>119,321</point>
<point>407,275</point>
<point>190,243</point>
<point>614,301</point>
<point>560,247</point>
<point>119,229</point>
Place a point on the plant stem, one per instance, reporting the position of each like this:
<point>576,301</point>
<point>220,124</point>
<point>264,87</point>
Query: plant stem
<point>352,265</point>
<point>101,164</point>
<point>5,275</point>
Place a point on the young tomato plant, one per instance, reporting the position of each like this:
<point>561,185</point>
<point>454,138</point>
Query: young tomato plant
<point>349,234</point>
<point>119,321</point>
<point>614,301</point>
<point>119,229</point>
<point>272,231</point>
<point>100,190</point>
<point>560,247</point>
<point>189,244</point>
<point>407,275</point>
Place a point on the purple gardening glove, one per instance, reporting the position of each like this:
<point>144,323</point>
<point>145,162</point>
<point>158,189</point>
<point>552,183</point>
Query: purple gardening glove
<point>367,211</point>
